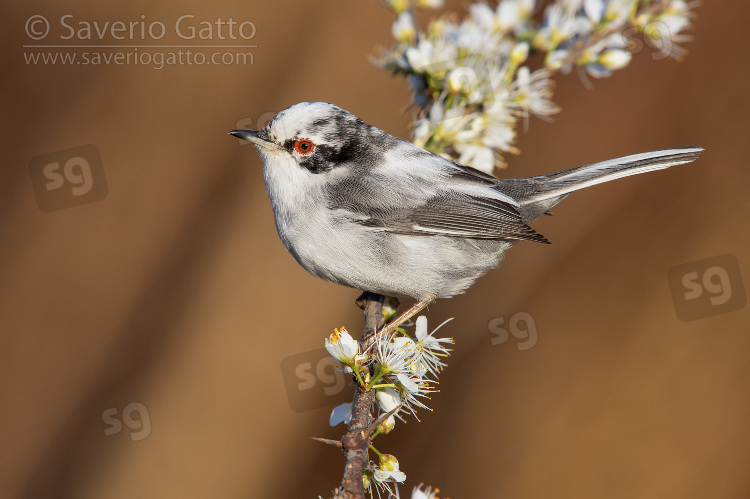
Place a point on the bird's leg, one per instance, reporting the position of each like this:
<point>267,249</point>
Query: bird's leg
<point>414,310</point>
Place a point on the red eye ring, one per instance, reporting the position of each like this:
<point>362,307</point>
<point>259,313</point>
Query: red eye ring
<point>304,146</point>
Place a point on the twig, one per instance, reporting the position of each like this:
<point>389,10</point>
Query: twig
<point>356,441</point>
<point>328,441</point>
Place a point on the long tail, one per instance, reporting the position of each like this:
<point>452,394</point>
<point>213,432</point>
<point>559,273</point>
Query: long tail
<point>537,194</point>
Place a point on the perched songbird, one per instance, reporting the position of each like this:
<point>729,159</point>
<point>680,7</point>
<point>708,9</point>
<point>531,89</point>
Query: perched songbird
<point>359,207</point>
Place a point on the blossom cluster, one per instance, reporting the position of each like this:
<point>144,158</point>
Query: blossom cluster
<point>403,371</point>
<point>472,79</point>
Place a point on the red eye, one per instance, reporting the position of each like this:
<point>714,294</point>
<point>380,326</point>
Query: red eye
<point>304,146</point>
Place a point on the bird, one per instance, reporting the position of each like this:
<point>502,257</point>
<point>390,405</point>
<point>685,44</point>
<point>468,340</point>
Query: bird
<point>359,207</point>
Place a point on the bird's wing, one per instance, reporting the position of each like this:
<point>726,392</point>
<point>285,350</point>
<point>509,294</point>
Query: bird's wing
<point>461,203</point>
<point>459,215</point>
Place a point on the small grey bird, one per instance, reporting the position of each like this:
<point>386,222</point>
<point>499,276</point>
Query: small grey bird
<point>359,207</point>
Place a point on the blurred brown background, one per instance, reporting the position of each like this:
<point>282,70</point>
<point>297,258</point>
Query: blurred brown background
<point>174,292</point>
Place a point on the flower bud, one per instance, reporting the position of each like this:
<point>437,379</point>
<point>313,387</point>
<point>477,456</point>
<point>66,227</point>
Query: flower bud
<point>461,80</point>
<point>615,59</point>
<point>403,29</point>
<point>519,53</point>
<point>387,425</point>
<point>388,462</point>
<point>398,6</point>
<point>388,399</point>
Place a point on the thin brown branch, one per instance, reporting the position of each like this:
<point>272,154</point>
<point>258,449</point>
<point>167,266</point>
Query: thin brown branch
<point>356,441</point>
<point>328,441</point>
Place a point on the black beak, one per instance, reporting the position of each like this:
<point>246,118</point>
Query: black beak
<point>257,137</point>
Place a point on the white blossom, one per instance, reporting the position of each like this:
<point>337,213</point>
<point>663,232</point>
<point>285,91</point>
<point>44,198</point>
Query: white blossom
<point>429,57</point>
<point>483,15</point>
<point>430,350</point>
<point>664,29</point>
<point>412,388</point>
<point>393,356</point>
<point>388,399</point>
<point>342,346</point>
<point>374,485</point>
<point>520,53</point>
<point>427,493</point>
<point>512,14</point>
<point>389,471</point>
<point>594,10</point>
<point>398,6</point>
<point>469,76</point>
<point>430,4</point>
<point>403,29</point>
<point>531,93</point>
<point>614,59</point>
<point>477,156</point>
<point>341,414</point>
<point>559,25</point>
<point>618,12</point>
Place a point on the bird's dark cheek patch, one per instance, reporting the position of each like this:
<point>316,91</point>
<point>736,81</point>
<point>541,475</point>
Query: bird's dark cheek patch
<point>323,159</point>
<point>326,157</point>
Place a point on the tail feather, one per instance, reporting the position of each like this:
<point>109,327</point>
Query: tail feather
<point>537,194</point>
<point>586,176</point>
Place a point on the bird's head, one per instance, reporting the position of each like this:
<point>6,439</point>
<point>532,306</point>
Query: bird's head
<point>318,137</point>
